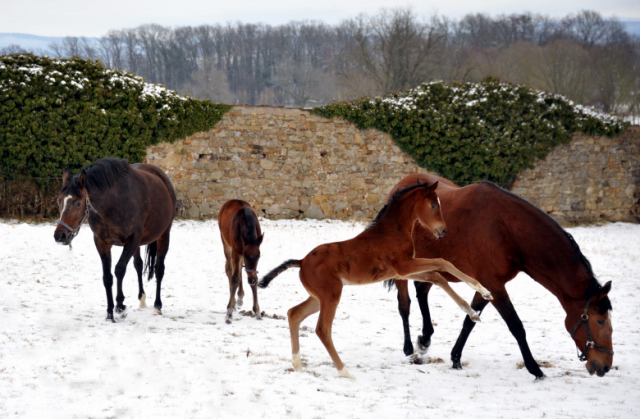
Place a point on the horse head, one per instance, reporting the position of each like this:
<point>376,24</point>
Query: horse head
<point>251,256</point>
<point>429,211</point>
<point>592,331</point>
<point>73,206</point>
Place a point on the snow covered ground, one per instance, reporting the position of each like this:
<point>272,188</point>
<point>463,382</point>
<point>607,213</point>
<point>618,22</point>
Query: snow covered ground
<point>60,358</point>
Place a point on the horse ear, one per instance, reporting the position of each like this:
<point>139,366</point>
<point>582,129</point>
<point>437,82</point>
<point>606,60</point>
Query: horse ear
<point>602,292</point>
<point>66,177</point>
<point>82,179</point>
<point>432,187</point>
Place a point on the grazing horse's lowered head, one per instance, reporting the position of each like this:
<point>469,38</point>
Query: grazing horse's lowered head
<point>592,330</point>
<point>251,241</point>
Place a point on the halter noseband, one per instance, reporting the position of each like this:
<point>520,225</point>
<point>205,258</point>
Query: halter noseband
<point>250,271</point>
<point>75,231</point>
<point>584,318</point>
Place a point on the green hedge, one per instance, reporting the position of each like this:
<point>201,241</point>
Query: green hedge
<point>65,113</point>
<point>472,131</point>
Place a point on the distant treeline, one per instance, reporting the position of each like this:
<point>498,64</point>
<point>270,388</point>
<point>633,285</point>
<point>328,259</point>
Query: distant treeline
<point>584,57</point>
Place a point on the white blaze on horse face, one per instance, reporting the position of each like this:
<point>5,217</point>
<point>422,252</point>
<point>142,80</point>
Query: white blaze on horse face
<point>66,202</point>
<point>439,204</point>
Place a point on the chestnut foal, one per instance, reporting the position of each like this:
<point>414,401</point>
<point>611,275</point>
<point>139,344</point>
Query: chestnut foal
<point>383,251</point>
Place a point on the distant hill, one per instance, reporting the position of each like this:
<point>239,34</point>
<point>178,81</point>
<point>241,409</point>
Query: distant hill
<point>28,42</point>
<point>632,26</point>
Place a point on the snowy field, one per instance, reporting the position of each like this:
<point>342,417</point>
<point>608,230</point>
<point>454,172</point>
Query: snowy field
<point>60,358</point>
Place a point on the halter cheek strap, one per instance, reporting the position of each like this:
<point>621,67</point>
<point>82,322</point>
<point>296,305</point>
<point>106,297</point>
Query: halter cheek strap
<point>584,318</point>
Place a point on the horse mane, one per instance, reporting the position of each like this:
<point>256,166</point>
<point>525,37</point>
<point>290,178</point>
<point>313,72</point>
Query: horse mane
<point>578,256</point>
<point>249,227</point>
<point>396,196</point>
<point>102,175</point>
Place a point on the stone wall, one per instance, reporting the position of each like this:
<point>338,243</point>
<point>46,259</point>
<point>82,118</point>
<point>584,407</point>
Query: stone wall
<point>286,162</point>
<point>289,163</point>
<point>589,180</point>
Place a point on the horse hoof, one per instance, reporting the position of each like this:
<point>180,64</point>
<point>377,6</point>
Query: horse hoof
<point>143,301</point>
<point>408,349</point>
<point>487,296</point>
<point>110,317</point>
<point>227,320</point>
<point>456,365</point>
<point>121,309</point>
<point>541,378</point>
<point>423,344</point>
<point>475,316</point>
<point>343,373</point>
<point>157,312</point>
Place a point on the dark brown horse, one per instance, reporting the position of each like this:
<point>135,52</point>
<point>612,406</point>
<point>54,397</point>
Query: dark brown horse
<point>241,239</point>
<point>128,206</point>
<point>384,250</point>
<point>493,235</point>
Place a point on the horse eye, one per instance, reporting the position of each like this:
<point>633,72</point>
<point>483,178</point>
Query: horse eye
<point>78,204</point>
<point>600,322</point>
<point>434,206</point>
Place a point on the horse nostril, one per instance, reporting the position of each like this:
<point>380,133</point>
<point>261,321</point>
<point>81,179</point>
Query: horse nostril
<point>444,232</point>
<point>607,368</point>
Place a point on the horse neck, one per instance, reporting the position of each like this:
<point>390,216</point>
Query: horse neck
<point>400,215</point>
<point>550,258</point>
<point>248,222</point>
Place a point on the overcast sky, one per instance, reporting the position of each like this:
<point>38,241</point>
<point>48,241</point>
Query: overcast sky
<point>95,18</point>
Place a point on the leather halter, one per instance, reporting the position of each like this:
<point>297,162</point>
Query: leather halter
<point>75,231</point>
<point>250,271</point>
<point>584,318</point>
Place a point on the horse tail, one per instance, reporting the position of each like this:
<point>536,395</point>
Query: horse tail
<point>150,263</point>
<point>389,283</point>
<point>291,263</point>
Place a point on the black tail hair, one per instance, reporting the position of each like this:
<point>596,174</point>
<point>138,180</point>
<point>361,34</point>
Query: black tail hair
<point>389,283</point>
<point>150,263</point>
<point>291,263</point>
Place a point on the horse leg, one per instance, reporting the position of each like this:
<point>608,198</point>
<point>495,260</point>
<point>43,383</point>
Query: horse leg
<point>503,304</point>
<point>406,268</point>
<point>404,306</point>
<point>256,306</point>
<point>120,270</point>
<point>104,250</point>
<point>422,295</point>
<point>163,249</point>
<point>139,265</point>
<point>478,304</point>
<point>240,299</point>
<point>296,315</point>
<point>328,308</point>
<point>235,276</point>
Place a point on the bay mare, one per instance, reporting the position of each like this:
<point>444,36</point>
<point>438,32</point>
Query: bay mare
<point>241,240</point>
<point>492,236</point>
<point>384,250</point>
<point>128,206</point>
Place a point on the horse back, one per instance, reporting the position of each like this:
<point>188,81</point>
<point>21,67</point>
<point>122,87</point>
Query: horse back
<point>230,219</point>
<point>479,240</point>
<point>159,197</point>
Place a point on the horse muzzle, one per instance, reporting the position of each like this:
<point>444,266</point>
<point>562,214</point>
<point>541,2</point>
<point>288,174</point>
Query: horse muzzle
<point>440,232</point>
<point>595,367</point>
